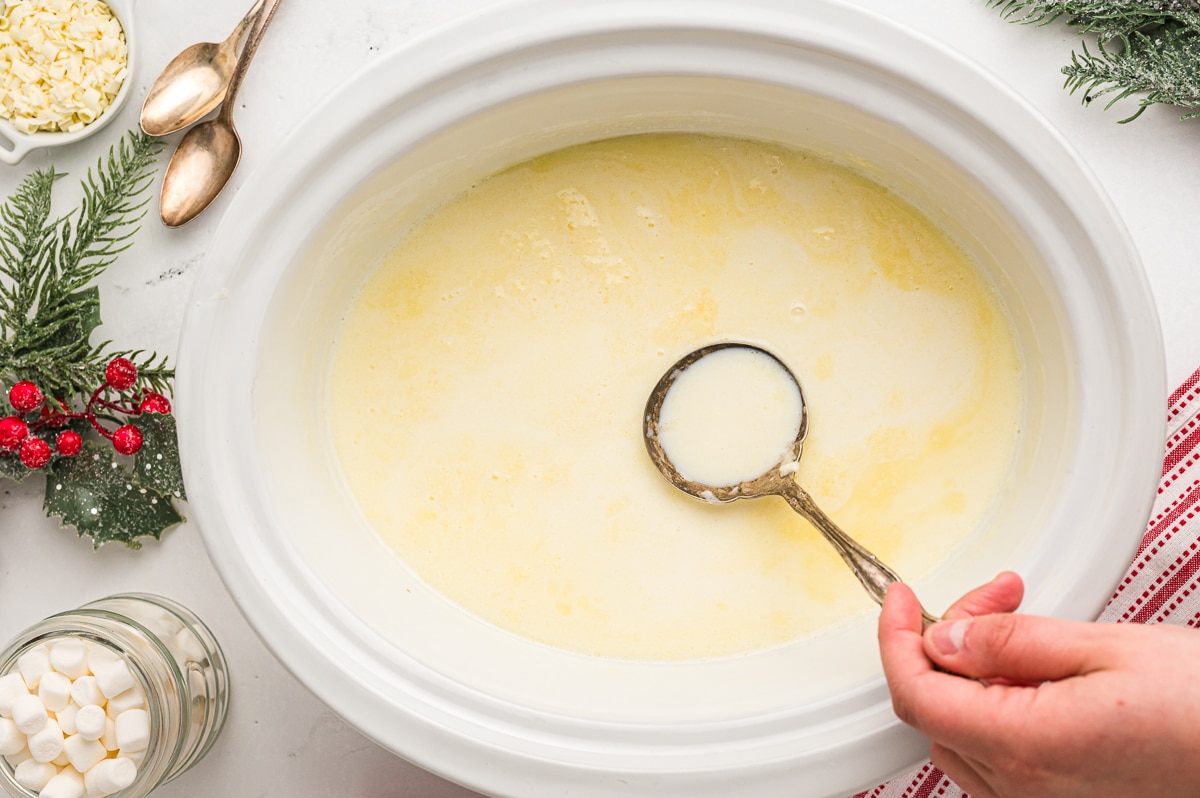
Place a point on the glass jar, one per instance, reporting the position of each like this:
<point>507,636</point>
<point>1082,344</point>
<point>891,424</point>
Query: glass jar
<point>172,656</point>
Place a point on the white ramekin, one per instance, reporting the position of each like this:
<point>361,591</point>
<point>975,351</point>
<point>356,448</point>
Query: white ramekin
<point>511,717</point>
<point>15,145</point>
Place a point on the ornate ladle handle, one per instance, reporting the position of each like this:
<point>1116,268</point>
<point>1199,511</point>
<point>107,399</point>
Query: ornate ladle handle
<point>871,572</point>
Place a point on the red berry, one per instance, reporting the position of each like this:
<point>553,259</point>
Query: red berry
<point>35,453</point>
<point>53,418</point>
<point>13,430</point>
<point>68,442</point>
<point>127,439</point>
<point>25,396</point>
<point>121,373</point>
<point>155,403</point>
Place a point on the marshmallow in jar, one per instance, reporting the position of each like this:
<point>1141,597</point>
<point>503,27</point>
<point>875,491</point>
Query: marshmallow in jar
<point>114,698</point>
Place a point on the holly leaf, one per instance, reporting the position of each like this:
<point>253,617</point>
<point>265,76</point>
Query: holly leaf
<point>12,468</point>
<point>95,493</point>
<point>157,462</point>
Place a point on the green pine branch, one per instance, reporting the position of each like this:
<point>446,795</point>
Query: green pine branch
<point>48,305</point>
<point>1149,49</point>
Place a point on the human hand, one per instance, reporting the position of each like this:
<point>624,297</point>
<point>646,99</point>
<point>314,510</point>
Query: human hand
<point>1065,709</point>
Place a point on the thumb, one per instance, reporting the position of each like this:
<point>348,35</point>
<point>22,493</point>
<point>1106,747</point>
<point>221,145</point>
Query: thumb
<point>1018,648</point>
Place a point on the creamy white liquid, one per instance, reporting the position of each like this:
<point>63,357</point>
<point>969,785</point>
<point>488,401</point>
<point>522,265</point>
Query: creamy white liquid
<point>488,385</point>
<point>730,417</point>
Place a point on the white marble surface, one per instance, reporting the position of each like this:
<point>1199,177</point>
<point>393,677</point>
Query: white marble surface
<point>280,741</point>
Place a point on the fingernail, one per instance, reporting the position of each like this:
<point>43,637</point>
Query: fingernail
<point>948,637</point>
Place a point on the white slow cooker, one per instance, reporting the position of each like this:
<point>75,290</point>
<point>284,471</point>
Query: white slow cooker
<point>511,717</point>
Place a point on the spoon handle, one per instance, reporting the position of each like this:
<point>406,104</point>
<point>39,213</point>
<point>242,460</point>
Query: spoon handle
<point>246,22</point>
<point>870,570</point>
<point>261,21</point>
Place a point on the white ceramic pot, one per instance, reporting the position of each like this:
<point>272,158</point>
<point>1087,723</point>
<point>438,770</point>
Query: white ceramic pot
<point>511,717</point>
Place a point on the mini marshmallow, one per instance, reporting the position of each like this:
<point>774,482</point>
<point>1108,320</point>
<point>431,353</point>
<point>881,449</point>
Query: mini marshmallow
<point>62,760</point>
<point>161,623</point>
<point>54,691</point>
<point>66,718</point>
<point>109,738</point>
<point>18,757</point>
<point>109,776</point>
<point>69,657</point>
<point>85,692</point>
<point>47,743</point>
<point>114,678</point>
<point>34,664</point>
<point>29,714</point>
<point>133,698</point>
<point>186,647</point>
<point>67,784</point>
<point>34,775</point>
<point>99,655</point>
<point>12,687</point>
<point>136,757</point>
<point>89,722</point>
<point>12,739</point>
<point>133,730</point>
<point>83,753</point>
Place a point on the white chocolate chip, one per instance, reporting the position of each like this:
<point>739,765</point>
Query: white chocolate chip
<point>64,63</point>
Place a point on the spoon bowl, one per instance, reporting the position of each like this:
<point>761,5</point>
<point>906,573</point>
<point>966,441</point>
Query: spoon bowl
<point>194,83</point>
<point>198,170</point>
<point>777,480</point>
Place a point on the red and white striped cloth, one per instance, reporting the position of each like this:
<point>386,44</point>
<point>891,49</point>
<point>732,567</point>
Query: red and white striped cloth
<point>1162,584</point>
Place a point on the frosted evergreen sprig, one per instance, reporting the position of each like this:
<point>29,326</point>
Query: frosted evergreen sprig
<point>1149,48</point>
<point>48,305</point>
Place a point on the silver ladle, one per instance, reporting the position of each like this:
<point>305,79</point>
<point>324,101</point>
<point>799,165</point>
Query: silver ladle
<point>779,480</point>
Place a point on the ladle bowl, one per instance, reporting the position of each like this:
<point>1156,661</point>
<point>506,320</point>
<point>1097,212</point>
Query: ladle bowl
<point>777,480</point>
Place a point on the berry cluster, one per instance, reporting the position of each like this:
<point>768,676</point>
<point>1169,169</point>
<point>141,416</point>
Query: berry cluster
<point>27,437</point>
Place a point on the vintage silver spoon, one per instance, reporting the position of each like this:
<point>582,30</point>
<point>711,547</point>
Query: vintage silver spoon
<point>204,161</point>
<point>193,83</point>
<point>778,479</point>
